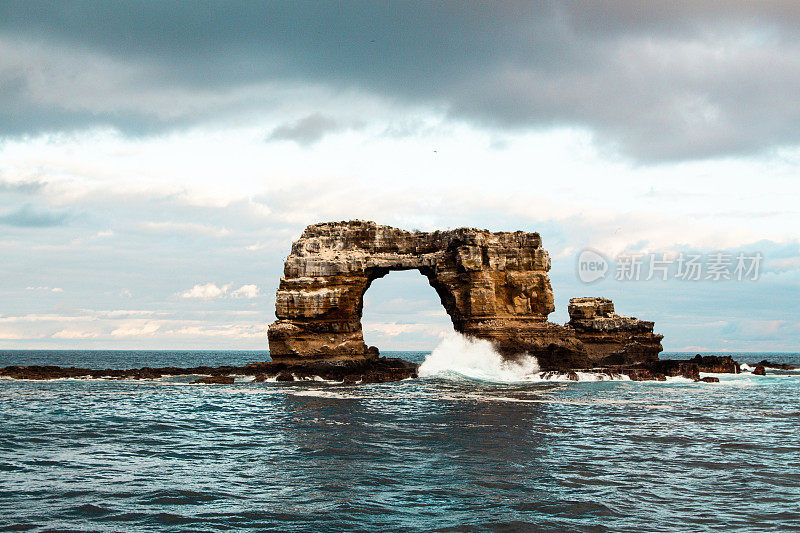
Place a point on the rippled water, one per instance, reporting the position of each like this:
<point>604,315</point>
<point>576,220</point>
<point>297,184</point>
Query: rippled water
<point>427,454</point>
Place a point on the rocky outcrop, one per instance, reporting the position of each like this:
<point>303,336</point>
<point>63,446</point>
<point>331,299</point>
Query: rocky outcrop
<point>660,369</point>
<point>355,371</point>
<point>215,380</point>
<point>777,366</point>
<point>377,370</point>
<point>494,286</point>
<point>716,364</point>
<point>611,339</point>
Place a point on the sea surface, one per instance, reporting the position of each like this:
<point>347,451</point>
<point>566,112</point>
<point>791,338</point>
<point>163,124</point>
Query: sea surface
<point>454,451</point>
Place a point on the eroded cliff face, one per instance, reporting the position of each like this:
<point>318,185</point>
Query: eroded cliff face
<point>611,339</point>
<point>493,286</point>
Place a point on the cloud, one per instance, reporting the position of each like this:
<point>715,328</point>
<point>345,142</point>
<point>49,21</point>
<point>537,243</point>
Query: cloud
<point>7,334</point>
<point>22,187</point>
<point>183,228</point>
<point>246,291</point>
<point>29,216</point>
<point>657,81</point>
<point>206,291</point>
<point>72,334</point>
<point>393,329</point>
<point>263,194</point>
<point>237,331</point>
<point>54,289</point>
<point>136,330</point>
<point>305,131</point>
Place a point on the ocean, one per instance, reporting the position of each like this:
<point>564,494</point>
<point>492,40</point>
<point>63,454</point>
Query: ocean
<point>462,449</point>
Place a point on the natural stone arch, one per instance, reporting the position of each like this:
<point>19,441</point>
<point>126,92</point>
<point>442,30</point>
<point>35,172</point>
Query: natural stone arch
<point>486,282</point>
<point>494,286</point>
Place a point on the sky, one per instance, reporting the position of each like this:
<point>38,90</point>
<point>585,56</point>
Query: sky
<point>157,159</point>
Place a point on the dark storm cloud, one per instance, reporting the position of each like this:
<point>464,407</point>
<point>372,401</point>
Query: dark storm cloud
<point>658,80</point>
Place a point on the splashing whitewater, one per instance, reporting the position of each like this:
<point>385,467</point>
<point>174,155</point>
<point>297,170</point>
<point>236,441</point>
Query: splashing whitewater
<point>458,355</point>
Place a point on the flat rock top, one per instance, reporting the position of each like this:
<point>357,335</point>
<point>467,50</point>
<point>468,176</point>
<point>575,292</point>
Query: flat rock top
<point>355,235</point>
<point>588,307</point>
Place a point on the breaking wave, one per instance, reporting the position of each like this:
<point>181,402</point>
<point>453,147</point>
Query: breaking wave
<point>458,355</point>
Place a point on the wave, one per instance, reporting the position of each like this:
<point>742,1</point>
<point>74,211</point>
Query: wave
<point>461,356</point>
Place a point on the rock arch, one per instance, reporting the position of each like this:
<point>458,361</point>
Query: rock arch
<point>493,286</point>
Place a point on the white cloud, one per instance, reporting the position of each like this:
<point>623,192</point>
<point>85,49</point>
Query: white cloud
<point>49,289</point>
<point>393,329</point>
<point>206,291</point>
<point>227,330</point>
<point>74,334</point>
<point>29,318</point>
<point>121,313</point>
<point>246,291</point>
<point>136,330</point>
<point>185,227</point>
<point>12,334</point>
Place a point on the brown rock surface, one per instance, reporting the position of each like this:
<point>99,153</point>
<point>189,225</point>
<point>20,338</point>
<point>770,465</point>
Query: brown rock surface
<point>716,364</point>
<point>778,366</point>
<point>494,286</point>
<point>611,339</point>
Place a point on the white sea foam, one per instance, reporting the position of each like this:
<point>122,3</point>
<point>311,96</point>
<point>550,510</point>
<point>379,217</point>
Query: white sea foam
<point>458,355</point>
<point>582,376</point>
<point>678,379</point>
<point>316,393</point>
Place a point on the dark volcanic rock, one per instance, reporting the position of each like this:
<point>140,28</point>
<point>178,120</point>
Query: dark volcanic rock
<point>689,369</point>
<point>644,374</point>
<point>380,370</point>
<point>662,368</point>
<point>759,370</point>
<point>226,380</point>
<point>716,364</point>
<point>777,366</point>
<point>377,370</point>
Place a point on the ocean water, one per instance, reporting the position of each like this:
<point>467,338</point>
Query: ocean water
<point>470,447</point>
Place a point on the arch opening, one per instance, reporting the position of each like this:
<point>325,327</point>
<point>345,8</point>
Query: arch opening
<point>402,312</point>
